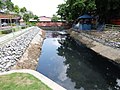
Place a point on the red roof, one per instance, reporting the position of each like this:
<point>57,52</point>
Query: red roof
<point>50,24</point>
<point>5,16</point>
<point>44,18</point>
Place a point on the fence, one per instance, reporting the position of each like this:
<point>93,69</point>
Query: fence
<point>112,27</point>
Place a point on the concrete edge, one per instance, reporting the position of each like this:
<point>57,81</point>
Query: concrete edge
<point>105,51</point>
<point>44,79</point>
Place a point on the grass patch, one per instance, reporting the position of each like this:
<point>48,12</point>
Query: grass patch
<point>21,81</point>
<point>7,31</point>
<point>0,32</point>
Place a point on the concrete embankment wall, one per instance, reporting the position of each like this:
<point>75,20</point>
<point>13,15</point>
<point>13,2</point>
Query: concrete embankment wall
<point>29,59</point>
<point>109,52</point>
<point>52,28</point>
<point>11,52</point>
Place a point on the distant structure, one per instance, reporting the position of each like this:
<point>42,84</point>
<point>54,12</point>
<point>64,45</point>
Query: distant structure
<point>85,22</point>
<point>7,19</point>
<point>44,19</point>
<point>47,23</point>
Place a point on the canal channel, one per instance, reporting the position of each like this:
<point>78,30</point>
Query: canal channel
<point>76,67</point>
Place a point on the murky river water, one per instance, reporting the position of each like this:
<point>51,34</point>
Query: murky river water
<point>76,67</point>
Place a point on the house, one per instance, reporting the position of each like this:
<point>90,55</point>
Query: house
<point>44,19</point>
<point>7,19</point>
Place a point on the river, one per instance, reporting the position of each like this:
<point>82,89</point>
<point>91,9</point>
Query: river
<point>76,67</point>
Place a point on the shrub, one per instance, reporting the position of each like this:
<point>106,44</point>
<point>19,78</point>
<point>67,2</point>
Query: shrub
<point>23,27</point>
<point>7,31</point>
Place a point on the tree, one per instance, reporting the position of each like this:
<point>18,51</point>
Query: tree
<point>36,17</point>
<point>107,9</point>
<point>62,10</point>
<point>72,9</point>
<point>30,13</point>
<point>26,17</point>
<point>9,5</point>
<point>23,10</point>
<point>55,18</point>
<point>1,4</point>
<point>16,9</point>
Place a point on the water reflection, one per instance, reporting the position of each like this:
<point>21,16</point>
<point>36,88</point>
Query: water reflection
<point>87,69</point>
<point>76,67</point>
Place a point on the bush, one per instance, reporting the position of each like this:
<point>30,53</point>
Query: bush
<point>7,31</point>
<point>23,27</point>
<point>13,24</point>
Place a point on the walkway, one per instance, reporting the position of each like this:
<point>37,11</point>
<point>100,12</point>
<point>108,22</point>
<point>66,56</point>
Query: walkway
<point>10,36</point>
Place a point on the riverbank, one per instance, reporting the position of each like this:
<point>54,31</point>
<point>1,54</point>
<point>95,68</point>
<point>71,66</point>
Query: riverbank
<point>97,44</point>
<point>13,51</point>
<point>30,58</point>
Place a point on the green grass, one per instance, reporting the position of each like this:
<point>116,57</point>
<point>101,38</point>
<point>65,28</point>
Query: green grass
<point>20,81</point>
<point>2,33</point>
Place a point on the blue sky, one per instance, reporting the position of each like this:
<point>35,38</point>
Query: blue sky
<point>39,7</point>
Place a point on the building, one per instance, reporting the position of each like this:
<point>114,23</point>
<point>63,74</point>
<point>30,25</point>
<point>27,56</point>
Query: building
<point>44,19</point>
<point>7,19</point>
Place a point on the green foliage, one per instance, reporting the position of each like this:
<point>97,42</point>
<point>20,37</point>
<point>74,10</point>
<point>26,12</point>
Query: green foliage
<point>16,9</point>
<point>107,9</point>
<point>31,15</point>
<point>72,9</point>
<point>23,27</point>
<point>36,17</point>
<point>23,10</point>
<point>9,5</point>
<point>62,10</point>
<point>55,18</point>
<point>6,31</point>
<point>26,17</point>
<point>1,4</point>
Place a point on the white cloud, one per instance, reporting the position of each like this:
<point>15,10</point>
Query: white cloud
<point>39,7</point>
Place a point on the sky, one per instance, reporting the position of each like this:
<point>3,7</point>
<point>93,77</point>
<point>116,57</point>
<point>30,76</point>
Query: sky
<point>39,7</point>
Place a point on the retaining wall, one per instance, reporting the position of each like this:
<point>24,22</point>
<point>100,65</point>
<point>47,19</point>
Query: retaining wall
<point>105,50</point>
<point>12,51</point>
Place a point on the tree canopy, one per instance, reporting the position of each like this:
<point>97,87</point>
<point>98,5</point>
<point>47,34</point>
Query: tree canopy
<point>26,17</point>
<point>55,18</point>
<point>9,5</point>
<point>16,9</point>
<point>105,9</point>
<point>1,4</point>
<point>36,17</point>
<point>72,9</point>
<point>23,10</point>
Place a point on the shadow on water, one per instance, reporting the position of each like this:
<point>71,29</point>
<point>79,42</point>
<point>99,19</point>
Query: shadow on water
<point>76,67</point>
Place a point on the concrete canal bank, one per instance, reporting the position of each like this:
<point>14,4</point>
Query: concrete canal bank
<point>29,60</point>
<point>22,51</point>
<point>110,51</point>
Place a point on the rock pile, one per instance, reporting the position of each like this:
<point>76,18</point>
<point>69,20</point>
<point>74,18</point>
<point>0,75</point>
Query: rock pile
<point>109,38</point>
<point>12,51</point>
